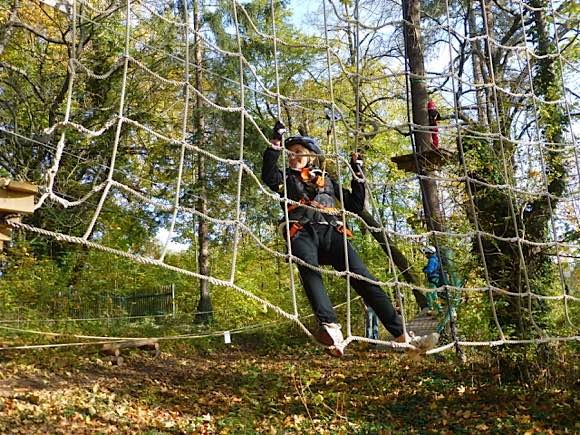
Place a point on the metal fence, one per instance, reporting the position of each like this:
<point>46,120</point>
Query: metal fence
<point>159,302</point>
<point>154,304</point>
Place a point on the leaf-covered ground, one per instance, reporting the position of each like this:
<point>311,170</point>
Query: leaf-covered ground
<point>289,390</point>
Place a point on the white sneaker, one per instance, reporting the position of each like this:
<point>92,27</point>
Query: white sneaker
<point>330,335</point>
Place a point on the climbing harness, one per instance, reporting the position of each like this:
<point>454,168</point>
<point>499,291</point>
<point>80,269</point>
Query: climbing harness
<point>327,213</point>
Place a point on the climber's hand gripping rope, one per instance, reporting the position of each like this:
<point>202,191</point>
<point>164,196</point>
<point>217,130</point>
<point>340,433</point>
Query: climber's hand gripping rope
<point>278,130</point>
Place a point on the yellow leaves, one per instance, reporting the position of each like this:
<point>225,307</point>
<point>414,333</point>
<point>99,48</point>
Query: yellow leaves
<point>168,424</point>
<point>212,395</point>
<point>466,414</point>
<point>121,410</point>
<point>294,420</point>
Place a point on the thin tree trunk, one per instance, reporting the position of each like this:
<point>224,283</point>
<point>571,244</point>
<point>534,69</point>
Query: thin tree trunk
<point>204,308</point>
<point>476,65</point>
<point>419,98</point>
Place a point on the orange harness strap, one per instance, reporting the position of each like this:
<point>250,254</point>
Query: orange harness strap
<point>343,229</point>
<point>312,203</point>
<point>295,228</point>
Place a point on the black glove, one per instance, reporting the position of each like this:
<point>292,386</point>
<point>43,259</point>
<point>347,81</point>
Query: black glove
<point>356,163</point>
<point>278,130</point>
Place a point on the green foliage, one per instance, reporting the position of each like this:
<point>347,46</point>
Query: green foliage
<point>39,273</point>
<point>28,283</point>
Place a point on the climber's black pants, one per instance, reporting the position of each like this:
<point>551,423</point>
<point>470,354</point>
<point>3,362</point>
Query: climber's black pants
<point>317,245</point>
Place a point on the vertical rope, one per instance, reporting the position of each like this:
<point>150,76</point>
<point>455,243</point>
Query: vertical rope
<point>507,176</point>
<point>544,171</point>
<point>242,131</point>
<point>368,190</point>
<point>51,174</point>
<point>183,132</point>
<point>285,186</point>
<point>411,127</point>
<point>456,104</point>
<point>119,124</point>
<point>574,147</point>
<point>338,166</point>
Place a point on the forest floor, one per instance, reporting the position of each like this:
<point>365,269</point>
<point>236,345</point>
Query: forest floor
<point>289,389</point>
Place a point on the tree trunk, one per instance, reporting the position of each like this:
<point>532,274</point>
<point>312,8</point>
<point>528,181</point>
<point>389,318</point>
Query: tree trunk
<point>398,257</point>
<point>476,65</point>
<point>204,308</point>
<point>419,98</point>
<point>422,139</point>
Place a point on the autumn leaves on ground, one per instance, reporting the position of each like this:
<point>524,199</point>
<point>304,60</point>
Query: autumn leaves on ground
<point>242,389</point>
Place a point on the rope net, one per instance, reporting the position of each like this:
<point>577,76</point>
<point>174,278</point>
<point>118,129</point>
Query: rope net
<point>169,107</point>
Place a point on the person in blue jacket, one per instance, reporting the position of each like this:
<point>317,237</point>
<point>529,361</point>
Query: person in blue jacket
<point>433,269</point>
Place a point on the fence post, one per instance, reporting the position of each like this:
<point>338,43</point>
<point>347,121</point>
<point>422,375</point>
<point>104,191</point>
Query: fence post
<point>173,304</point>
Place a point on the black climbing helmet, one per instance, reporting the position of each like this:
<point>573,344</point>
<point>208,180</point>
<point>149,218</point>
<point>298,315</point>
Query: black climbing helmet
<point>306,142</point>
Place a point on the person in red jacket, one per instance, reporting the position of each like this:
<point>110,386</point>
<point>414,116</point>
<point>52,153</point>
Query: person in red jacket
<point>433,118</point>
<point>317,237</point>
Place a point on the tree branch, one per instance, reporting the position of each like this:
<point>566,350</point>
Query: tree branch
<point>39,33</point>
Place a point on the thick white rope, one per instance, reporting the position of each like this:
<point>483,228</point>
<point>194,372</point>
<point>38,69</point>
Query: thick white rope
<point>241,142</point>
<point>51,174</point>
<point>507,175</point>
<point>183,135</point>
<point>337,152</point>
<point>103,198</point>
<point>471,196</point>
<point>121,118</point>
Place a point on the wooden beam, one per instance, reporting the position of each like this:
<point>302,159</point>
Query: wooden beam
<point>17,196</point>
<point>431,159</point>
<point>16,202</point>
<point>5,233</point>
<point>20,186</point>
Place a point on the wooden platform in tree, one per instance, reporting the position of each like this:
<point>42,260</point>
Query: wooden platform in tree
<point>16,196</point>
<point>431,159</point>
<point>6,230</point>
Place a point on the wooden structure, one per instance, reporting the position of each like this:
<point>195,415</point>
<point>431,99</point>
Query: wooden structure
<point>16,198</point>
<point>429,160</point>
<point>112,351</point>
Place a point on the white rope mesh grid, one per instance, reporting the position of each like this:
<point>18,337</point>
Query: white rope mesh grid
<point>455,128</point>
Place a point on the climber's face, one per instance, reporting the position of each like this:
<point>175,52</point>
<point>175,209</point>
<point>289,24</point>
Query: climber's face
<point>300,156</point>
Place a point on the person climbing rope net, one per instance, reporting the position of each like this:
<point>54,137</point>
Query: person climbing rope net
<point>315,235</point>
